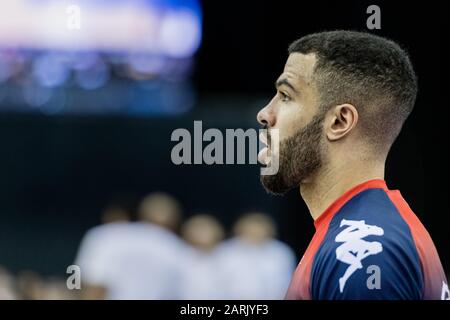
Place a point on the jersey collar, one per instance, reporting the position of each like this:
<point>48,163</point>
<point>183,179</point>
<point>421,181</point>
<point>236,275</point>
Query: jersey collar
<point>328,214</point>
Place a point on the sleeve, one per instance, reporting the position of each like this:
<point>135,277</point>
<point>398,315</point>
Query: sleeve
<point>367,270</point>
<point>435,282</point>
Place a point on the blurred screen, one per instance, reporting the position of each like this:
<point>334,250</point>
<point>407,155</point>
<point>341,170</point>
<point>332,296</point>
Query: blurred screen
<point>128,56</point>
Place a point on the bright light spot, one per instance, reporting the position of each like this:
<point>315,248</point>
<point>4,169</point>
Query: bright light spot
<point>180,33</point>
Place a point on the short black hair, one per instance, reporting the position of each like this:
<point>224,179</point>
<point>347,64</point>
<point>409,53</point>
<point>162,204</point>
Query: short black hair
<point>370,72</point>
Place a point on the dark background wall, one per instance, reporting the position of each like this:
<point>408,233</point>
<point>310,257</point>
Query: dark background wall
<point>57,172</point>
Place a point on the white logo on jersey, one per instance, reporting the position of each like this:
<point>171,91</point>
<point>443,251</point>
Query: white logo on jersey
<point>354,248</point>
<point>445,295</point>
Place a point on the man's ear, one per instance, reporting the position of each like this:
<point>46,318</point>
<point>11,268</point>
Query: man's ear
<point>341,120</point>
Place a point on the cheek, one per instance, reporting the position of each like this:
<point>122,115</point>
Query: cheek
<point>290,120</point>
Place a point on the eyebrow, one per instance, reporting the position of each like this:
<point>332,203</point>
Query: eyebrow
<point>285,82</point>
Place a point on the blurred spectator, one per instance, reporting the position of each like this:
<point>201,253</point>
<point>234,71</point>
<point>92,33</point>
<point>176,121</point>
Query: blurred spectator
<point>202,278</point>
<point>160,209</point>
<point>139,260</point>
<point>7,290</point>
<point>96,246</point>
<point>115,213</point>
<point>30,286</point>
<point>56,289</point>
<point>256,265</point>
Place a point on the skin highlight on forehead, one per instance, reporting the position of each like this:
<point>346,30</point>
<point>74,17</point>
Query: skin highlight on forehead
<point>299,69</point>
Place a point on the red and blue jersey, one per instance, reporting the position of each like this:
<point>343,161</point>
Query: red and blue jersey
<point>369,245</point>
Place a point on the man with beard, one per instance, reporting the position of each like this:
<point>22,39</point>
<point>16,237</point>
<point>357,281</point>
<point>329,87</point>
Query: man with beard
<point>341,102</point>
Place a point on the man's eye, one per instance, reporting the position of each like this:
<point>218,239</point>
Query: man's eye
<point>284,97</point>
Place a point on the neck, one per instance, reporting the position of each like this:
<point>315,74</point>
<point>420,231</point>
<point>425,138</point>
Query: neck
<point>329,183</point>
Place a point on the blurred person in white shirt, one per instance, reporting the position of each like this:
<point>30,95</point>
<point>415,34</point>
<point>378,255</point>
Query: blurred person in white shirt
<point>135,260</point>
<point>256,265</point>
<point>202,277</point>
<point>95,248</point>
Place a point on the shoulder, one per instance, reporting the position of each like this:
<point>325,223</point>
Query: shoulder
<point>367,253</point>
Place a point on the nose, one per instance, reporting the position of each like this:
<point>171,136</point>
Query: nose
<point>266,117</point>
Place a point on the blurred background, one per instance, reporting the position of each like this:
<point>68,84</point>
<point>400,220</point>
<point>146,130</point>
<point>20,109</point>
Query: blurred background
<point>90,92</point>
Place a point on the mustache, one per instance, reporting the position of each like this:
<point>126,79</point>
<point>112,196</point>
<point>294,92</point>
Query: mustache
<point>267,130</point>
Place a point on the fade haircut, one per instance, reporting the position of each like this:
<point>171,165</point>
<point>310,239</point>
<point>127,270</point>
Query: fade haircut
<point>370,72</point>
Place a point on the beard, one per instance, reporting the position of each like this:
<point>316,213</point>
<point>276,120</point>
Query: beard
<point>299,157</point>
